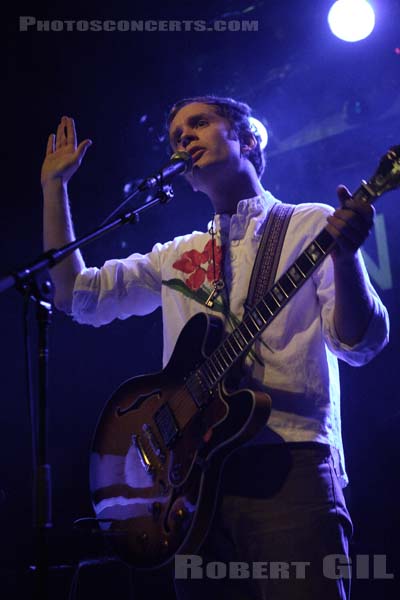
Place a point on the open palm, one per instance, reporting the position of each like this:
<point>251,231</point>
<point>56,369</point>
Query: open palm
<point>63,156</point>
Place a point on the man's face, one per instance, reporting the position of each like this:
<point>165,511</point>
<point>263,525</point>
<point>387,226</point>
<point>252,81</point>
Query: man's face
<point>208,137</point>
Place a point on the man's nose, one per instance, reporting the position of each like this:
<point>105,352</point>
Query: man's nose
<point>186,139</point>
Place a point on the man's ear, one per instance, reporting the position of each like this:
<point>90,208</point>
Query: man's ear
<point>248,142</point>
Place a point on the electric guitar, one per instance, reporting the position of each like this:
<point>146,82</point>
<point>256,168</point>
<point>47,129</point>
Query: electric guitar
<point>154,469</point>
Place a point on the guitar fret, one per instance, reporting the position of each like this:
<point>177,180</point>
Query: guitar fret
<point>213,370</point>
<point>210,374</point>
<point>325,240</point>
<point>205,375</point>
<point>251,325</point>
<point>235,337</point>
<point>314,252</point>
<point>216,359</point>
<point>219,366</point>
<point>213,378</point>
<point>291,280</point>
<point>226,343</point>
<point>242,333</point>
<point>270,297</point>
<point>296,274</point>
<point>305,264</point>
<point>274,295</point>
<point>287,285</point>
<point>264,301</point>
<point>255,319</point>
<point>259,317</point>
<point>225,355</point>
<point>221,357</point>
<point>264,311</point>
<point>279,293</point>
<point>237,348</point>
<point>279,284</point>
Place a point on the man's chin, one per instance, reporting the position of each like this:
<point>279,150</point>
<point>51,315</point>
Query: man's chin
<point>203,173</point>
<point>204,167</point>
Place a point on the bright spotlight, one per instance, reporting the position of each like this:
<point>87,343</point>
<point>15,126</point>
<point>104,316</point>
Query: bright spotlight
<point>351,20</point>
<point>260,131</point>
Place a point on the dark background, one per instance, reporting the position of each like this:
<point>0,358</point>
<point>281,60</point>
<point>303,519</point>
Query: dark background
<point>331,108</point>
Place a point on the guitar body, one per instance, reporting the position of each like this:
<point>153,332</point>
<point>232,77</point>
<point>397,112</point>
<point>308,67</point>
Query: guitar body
<point>153,475</point>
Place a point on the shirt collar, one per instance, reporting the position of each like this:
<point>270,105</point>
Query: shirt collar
<point>247,209</point>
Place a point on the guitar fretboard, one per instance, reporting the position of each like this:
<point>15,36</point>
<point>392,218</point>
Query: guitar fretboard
<point>237,343</point>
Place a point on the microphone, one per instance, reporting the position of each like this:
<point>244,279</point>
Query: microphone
<point>179,162</point>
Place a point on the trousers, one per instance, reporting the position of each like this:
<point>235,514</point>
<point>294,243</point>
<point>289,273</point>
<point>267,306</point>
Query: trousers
<point>280,531</point>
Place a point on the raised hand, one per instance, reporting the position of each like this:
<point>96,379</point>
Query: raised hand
<point>350,224</point>
<point>63,156</point>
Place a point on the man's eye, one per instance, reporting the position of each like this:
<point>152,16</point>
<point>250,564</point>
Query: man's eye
<point>201,122</point>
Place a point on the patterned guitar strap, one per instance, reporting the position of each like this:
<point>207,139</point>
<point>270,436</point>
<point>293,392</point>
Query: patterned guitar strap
<point>266,263</point>
<point>269,252</point>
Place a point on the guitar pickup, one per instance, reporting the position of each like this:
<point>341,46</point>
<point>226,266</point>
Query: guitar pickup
<point>198,389</point>
<point>166,424</point>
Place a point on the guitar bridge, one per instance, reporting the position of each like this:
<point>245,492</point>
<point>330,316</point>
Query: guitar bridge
<point>144,459</point>
<point>155,446</point>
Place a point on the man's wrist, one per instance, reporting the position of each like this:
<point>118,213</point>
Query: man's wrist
<point>345,259</point>
<point>55,184</point>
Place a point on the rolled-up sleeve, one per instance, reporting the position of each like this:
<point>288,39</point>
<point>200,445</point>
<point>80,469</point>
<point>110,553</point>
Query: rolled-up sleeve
<point>119,289</point>
<point>376,335</point>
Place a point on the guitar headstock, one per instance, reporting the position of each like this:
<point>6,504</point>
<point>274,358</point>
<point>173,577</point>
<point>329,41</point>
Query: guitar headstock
<point>387,175</point>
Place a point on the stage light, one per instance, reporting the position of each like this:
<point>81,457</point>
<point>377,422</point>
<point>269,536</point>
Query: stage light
<point>260,131</point>
<point>351,20</point>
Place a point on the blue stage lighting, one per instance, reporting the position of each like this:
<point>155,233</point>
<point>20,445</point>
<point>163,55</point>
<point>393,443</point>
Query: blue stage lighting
<point>351,20</point>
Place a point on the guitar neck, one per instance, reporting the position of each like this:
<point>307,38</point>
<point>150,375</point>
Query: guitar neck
<point>255,321</point>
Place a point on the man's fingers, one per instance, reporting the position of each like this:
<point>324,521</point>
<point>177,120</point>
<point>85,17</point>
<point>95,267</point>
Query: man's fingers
<point>82,148</point>
<point>66,136</point>
<point>349,227</point>
<point>358,217</point>
<point>346,240</point>
<point>343,193</point>
<point>355,229</point>
<point>71,131</point>
<point>50,144</point>
<point>59,135</point>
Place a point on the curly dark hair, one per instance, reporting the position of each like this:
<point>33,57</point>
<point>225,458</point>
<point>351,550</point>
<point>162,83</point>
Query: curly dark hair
<point>237,113</point>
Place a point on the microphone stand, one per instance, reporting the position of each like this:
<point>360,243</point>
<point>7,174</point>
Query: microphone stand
<point>34,282</point>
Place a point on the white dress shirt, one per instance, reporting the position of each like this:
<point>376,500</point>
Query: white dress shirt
<point>299,349</point>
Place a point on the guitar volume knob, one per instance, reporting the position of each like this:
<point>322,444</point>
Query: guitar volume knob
<point>180,514</point>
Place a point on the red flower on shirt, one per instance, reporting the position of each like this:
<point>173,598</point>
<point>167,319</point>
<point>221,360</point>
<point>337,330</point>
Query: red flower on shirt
<point>200,265</point>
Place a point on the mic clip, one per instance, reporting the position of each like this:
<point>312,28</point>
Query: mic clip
<point>164,193</point>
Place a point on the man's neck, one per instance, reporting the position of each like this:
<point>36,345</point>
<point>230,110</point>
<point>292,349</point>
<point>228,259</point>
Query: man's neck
<point>225,196</point>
